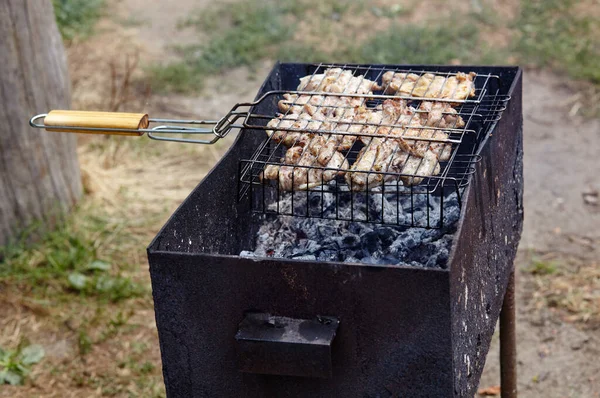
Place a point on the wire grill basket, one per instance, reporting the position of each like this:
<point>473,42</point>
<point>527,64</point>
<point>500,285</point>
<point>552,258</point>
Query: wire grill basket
<point>398,192</point>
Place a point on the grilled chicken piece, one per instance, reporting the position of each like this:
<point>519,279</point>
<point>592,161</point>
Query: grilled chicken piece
<point>397,152</point>
<point>304,122</point>
<point>337,80</point>
<point>390,113</point>
<point>270,172</point>
<point>381,156</point>
<point>334,113</point>
<point>328,105</point>
<point>387,156</point>
<point>363,173</point>
<point>291,177</point>
<point>420,167</point>
<point>428,85</point>
<point>440,114</point>
<point>311,111</point>
<point>409,125</point>
<point>319,153</point>
<point>442,151</point>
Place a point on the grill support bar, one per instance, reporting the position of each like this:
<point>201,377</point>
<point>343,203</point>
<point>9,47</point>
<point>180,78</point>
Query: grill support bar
<point>508,342</point>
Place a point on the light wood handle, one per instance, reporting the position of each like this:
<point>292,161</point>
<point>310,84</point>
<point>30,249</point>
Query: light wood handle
<point>102,120</point>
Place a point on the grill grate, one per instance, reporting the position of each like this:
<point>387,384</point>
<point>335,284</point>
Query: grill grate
<point>400,191</point>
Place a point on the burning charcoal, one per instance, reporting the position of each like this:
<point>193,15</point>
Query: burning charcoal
<point>350,241</point>
<point>389,259</point>
<point>298,251</point>
<point>315,201</point>
<point>312,247</point>
<point>406,240</point>
<point>326,231</point>
<point>451,215</point>
<point>371,242</point>
<point>328,255</point>
<point>360,254</point>
<point>370,260</point>
<point>386,235</point>
<point>302,243</point>
<point>358,229</point>
<point>306,257</point>
<point>335,240</point>
<point>421,216</point>
<point>331,243</point>
<point>442,258</point>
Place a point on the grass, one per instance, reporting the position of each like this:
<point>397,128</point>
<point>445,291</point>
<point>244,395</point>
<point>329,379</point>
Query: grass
<point>559,35</point>
<point>69,260</point>
<point>540,266</point>
<point>254,28</point>
<point>553,34</point>
<point>570,287</point>
<point>16,364</point>
<point>253,31</point>
<point>436,44</point>
<point>77,18</point>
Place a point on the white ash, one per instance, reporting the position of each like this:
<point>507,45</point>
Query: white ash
<point>327,239</point>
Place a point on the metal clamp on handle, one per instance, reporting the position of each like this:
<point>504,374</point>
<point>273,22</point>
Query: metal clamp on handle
<point>133,124</point>
<point>276,345</point>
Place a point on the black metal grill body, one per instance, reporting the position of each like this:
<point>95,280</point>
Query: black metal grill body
<point>403,331</point>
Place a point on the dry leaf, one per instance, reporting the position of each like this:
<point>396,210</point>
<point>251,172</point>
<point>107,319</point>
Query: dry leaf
<point>489,391</point>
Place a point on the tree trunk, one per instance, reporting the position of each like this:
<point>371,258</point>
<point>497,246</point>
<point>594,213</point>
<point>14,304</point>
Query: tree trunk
<point>39,172</point>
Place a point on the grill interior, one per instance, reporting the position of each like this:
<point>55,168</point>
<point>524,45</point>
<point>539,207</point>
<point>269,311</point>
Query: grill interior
<point>407,193</point>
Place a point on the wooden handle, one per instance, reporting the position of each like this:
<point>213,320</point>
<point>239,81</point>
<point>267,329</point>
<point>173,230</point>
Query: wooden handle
<point>101,120</point>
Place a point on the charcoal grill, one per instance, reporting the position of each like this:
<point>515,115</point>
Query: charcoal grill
<point>232,326</point>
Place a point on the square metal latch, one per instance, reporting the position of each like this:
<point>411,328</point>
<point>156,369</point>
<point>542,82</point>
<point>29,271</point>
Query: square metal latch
<point>278,345</point>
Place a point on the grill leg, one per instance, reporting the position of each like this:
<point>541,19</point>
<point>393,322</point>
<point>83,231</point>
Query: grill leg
<point>508,342</point>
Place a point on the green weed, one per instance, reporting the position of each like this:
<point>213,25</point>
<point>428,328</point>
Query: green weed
<point>84,342</point>
<point>437,43</point>
<point>77,18</point>
<point>15,365</point>
<point>551,34</point>
<point>146,367</point>
<point>542,267</point>
<point>68,260</point>
<point>299,52</point>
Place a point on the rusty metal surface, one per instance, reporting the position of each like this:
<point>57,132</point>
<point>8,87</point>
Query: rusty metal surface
<point>277,345</point>
<point>401,329</point>
<point>508,342</point>
<point>394,335</point>
<point>482,257</point>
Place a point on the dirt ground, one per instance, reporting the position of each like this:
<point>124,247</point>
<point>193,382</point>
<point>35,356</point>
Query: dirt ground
<point>556,358</point>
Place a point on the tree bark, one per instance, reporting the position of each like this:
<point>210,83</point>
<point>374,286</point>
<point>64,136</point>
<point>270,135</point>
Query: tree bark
<point>39,171</point>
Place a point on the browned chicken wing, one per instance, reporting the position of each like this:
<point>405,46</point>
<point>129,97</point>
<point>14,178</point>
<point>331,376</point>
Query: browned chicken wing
<point>428,85</point>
